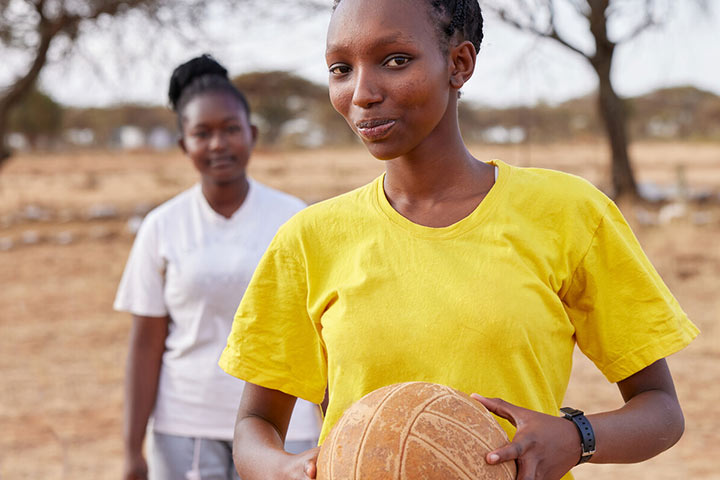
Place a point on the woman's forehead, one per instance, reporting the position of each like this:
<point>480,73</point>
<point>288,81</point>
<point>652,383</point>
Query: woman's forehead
<point>382,21</point>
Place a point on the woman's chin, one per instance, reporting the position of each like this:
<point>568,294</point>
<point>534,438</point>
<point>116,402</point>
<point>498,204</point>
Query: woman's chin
<point>382,152</point>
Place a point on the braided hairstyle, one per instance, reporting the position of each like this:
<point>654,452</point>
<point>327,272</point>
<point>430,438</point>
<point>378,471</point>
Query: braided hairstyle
<point>461,18</point>
<point>202,74</point>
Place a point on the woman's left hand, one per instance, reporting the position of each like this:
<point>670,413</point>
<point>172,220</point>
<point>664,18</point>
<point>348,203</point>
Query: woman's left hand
<point>545,447</point>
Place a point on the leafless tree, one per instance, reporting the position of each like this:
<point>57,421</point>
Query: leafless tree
<point>633,17</point>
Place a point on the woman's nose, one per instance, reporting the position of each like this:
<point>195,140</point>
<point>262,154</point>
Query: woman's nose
<point>368,90</point>
<point>217,140</point>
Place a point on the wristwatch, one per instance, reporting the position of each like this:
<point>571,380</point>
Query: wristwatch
<point>587,436</point>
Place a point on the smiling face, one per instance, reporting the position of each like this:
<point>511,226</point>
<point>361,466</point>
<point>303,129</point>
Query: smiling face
<point>389,76</point>
<point>217,136</point>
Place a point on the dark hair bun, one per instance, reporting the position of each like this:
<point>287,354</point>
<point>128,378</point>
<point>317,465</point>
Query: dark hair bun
<point>184,74</point>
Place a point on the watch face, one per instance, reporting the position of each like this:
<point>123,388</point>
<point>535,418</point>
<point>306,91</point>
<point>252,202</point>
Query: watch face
<point>571,411</point>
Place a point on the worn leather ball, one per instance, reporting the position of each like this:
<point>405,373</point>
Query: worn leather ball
<point>414,431</point>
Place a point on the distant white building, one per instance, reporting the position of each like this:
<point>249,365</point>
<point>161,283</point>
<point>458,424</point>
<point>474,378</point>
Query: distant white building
<point>129,137</point>
<point>17,141</point>
<point>81,137</point>
<point>661,128</point>
<point>500,134</point>
<point>160,138</point>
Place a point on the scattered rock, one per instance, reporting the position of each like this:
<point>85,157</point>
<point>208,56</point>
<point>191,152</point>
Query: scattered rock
<point>652,192</point>
<point>645,217</point>
<point>100,211</point>
<point>6,244</point>
<point>64,238</point>
<point>35,213</point>
<point>30,237</point>
<point>672,211</point>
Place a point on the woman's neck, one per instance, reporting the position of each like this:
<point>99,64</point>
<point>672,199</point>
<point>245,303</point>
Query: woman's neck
<point>226,198</point>
<point>438,183</point>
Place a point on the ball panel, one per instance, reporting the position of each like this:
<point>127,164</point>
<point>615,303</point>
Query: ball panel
<point>390,427</point>
<point>472,415</point>
<point>339,456</point>
<point>455,441</point>
<point>423,461</point>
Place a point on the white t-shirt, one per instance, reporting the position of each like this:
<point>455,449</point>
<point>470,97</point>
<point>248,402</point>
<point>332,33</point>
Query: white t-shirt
<point>192,264</point>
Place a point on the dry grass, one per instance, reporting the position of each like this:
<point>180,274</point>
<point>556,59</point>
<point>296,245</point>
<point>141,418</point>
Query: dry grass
<point>62,348</point>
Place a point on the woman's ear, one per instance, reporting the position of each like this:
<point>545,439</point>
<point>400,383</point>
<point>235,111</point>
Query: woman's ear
<point>462,58</point>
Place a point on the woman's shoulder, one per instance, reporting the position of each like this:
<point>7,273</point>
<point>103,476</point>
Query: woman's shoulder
<point>172,208</point>
<point>327,218</point>
<point>275,197</point>
<point>549,188</point>
<point>341,208</point>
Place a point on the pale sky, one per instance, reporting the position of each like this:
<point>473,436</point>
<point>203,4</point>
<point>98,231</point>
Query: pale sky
<point>512,68</point>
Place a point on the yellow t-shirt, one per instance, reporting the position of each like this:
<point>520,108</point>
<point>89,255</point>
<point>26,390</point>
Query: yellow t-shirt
<point>352,295</point>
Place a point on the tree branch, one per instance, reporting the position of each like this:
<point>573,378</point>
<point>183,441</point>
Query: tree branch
<point>48,31</point>
<point>647,23</point>
<point>551,31</point>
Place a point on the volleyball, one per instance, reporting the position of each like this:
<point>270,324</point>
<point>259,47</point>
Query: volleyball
<point>414,431</point>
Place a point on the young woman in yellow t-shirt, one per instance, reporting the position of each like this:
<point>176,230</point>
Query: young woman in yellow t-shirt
<point>387,283</point>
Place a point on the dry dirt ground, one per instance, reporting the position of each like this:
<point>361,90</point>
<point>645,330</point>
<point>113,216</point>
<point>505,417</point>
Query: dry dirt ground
<point>64,238</point>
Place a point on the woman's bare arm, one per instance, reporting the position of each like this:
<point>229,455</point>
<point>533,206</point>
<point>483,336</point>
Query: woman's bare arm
<point>547,446</point>
<point>650,422</point>
<point>147,344</point>
<point>260,429</point>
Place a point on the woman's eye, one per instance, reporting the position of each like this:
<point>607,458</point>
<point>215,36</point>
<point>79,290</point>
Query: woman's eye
<point>339,69</point>
<point>397,61</point>
<point>200,134</point>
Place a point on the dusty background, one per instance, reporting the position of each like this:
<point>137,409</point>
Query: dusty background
<point>65,234</point>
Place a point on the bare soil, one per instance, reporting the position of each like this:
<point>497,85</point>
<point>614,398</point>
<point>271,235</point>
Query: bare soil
<point>65,233</point>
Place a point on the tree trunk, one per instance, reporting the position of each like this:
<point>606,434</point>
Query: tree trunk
<point>614,117</point>
<point>5,152</point>
<point>612,108</point>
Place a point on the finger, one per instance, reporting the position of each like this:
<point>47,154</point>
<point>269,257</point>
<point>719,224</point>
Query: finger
<point>526,470</point>
<point>511,451</point>
<point>498,406</point>
<point>310,469</point>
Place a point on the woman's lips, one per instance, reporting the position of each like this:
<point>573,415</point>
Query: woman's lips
<point>374,129</point>
<point>222,162</point>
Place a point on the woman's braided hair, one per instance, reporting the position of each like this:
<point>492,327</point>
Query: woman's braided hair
<point>455,17</point>
<point>202,74</point>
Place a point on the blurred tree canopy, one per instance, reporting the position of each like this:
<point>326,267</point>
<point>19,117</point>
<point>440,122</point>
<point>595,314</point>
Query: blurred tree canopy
<point>293,109</point>
<point>37,116</point>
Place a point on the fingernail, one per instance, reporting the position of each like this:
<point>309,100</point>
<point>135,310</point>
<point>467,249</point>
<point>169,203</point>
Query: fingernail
<point>477,395</point>
<point>493,458</point>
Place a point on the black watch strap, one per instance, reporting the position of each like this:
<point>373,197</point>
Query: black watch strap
<point>587,436</point>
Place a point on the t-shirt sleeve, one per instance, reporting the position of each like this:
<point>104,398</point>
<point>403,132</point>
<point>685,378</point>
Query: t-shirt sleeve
<point>274,342</point>
<point>624,315</point>
<point>142,284</point>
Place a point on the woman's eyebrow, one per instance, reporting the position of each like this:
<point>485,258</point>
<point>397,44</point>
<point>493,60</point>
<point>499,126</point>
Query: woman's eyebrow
<point>397,37</point>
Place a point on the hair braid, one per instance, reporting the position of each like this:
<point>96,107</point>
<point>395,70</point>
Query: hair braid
<point>455,17</point>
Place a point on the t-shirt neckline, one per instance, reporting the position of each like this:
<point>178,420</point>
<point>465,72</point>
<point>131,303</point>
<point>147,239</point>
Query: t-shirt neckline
<point>483,209</point>
<point>239,213</point>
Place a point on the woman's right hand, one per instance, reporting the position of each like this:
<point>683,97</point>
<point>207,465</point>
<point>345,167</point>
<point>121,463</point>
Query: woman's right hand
<point>303,465</point>
<point>135,468</point>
